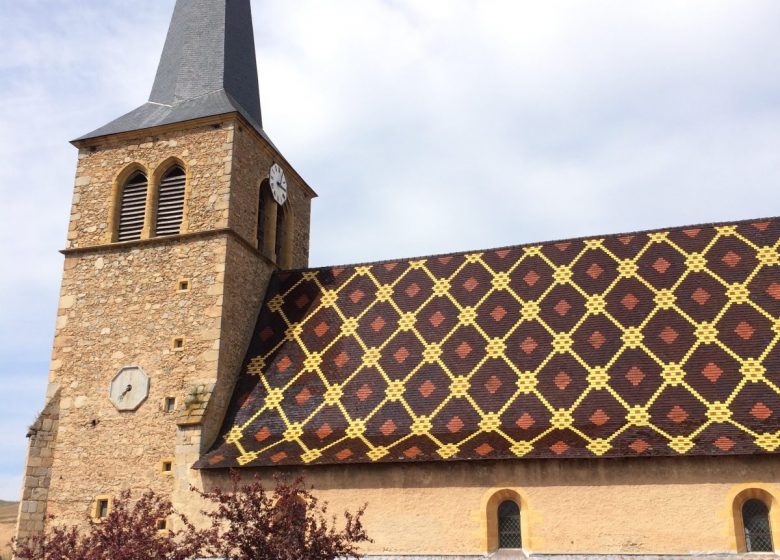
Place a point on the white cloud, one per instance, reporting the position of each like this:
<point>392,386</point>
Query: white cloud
<point>426,126</point>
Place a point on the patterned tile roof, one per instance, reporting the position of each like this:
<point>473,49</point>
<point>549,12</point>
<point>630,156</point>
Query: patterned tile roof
<point>654,343</point>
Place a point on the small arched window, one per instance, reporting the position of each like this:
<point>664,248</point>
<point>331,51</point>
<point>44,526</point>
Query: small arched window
<point>132,208</point>
<point>755,520</point>
<point>170,202</point>
<point>509,525</point>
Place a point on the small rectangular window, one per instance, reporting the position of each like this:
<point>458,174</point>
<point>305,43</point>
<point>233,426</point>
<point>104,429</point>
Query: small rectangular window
<point>170,405</point>
<point>102,507</point>
<point>184,285</point>
<point>178,343</point>
<point>162,524</point>
<point>167,467</point>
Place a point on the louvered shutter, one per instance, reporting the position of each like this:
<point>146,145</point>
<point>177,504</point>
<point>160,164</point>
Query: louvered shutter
<point>133,208</point>
<point>170,204</point>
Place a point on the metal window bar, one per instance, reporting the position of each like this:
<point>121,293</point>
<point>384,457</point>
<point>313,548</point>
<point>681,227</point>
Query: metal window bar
<point>132,208</point>
<point>509,525</point>
<point>170,203</point>
<point>758,533</point>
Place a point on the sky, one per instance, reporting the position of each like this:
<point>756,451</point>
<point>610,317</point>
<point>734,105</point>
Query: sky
<point>426,126</point>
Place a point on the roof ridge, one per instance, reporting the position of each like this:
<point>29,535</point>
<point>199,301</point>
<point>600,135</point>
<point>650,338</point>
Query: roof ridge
<point>531,244</point>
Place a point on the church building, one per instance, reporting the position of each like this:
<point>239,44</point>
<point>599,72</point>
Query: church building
<point>615,394</point>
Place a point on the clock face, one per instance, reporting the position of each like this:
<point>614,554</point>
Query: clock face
<point>278,184</point>
<point>129,388</point>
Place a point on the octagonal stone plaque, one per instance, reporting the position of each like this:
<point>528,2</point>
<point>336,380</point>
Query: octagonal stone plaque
<point>129,388</point>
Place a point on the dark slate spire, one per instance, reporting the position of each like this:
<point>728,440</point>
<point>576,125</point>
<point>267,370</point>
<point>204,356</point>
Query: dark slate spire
<point>208,67</point>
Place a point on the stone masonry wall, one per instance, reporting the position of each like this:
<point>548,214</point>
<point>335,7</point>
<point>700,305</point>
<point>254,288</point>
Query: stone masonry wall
<point>122,304</point>
<point>37,471</point>
<point>251,164</point>
<point>206,152</point>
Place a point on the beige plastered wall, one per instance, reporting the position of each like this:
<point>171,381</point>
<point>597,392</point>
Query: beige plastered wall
<point>631,506</point>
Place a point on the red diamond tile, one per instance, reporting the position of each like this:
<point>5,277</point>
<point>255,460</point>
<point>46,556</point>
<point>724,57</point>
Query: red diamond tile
<point>484,449</point>
<point>412,452</point>
<point>723,443</point>
<point>669,335</point>
<point>529,345</point>
<point>283,364</point>
<point>692,232</point>
<point>712,372</point>
<point>677,414</point>
<point>303,396</point>
<point>635,376</point>
<point>774,290</point>
<point>444,260</point>
<point>357,295</point>
<point>562,307</point>
<point>761,226</point>
<point>321,329</point>
<point>455,424</point>
<point>216,459</point>
<point>599,418</point>
<point>324,431</point>
<point>401,355</point>
<point>701,296</point>
<point>531,278</point>
<point>597,339</point>
<point>744,330</point>
<point>388,428</point>
<point>731,259</point>
<point>412,290</point>
<point>594,271</point>
<point>278,456</point>
<point>437,319</point>
<point>471,284</point>
<point>498,313</point>
<point>626,239</point>
<point>364,392</point>
<point>493,384</point>
<point>263,434</point>
<point>302,301</point>
<point>563,246</point>
<point>559,448</point>
<point>661,265</point>
<point>392,266</point>
<point>341,360</point>
<point>463,350</point>
<point>502,253</point>
<point>525,421</point>
<point>378,324</point>
<point>629,301</point>
<point>337,272</point>
<point>562,380</point>
<point>639,446</point>
<point>344,454</point>
<point>266,333</point>
<point>427,388</point>
<point>760,411</point>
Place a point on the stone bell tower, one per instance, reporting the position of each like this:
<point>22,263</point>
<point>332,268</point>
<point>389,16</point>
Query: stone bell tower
<point>174,233</point>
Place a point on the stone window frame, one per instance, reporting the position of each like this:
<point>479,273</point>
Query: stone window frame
<point>490,519</point>
<point>754,493</point>
<point>117,188</point>
<point>160,171</point>
<point>169,461</point>
<point>95,509</point>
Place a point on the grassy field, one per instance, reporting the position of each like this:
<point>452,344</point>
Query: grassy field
<point>7,526</point>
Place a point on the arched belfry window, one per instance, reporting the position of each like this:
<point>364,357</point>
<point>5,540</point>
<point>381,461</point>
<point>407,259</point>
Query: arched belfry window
<point>509,525</point>
<point>266,220</point>
<point>132,208</point>
<point>170,202</point>
<point>755,520</point>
